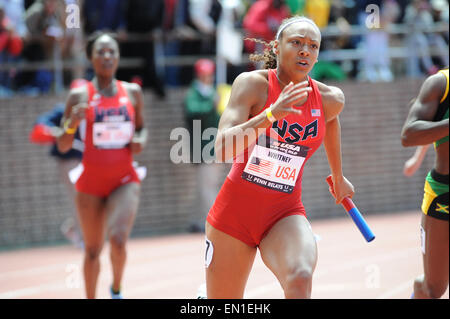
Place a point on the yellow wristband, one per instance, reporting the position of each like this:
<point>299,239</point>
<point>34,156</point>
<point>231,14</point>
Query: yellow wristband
<point>270,116</point>
<point>67,129</point>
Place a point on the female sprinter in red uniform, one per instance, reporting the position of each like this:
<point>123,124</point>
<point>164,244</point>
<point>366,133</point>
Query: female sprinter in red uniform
<point>110,116</point>
<point>259,204</point>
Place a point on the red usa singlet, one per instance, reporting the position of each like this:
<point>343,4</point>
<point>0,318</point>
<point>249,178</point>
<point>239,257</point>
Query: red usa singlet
<point>264,183</point>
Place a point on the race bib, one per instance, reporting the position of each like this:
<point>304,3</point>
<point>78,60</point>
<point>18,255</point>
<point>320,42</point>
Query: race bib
<point>275,165</point>
<point>112,135</point>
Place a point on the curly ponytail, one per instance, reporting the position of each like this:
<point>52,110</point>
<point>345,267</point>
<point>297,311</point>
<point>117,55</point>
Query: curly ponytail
<point>268,56</point>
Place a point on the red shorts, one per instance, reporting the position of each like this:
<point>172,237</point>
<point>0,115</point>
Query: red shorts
<point>247,214</point>
<point>102,181</point>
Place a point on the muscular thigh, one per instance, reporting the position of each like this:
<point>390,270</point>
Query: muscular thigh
<point>121,208</point>
<point>91,214</point>
<point>229,262</point>
<point>288,246</point>
<point>436,245</point>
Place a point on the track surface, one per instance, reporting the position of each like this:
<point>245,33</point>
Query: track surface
<point>172,267</point>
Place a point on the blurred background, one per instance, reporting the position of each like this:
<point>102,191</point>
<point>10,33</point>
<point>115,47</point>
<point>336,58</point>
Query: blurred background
<point>377,52</point>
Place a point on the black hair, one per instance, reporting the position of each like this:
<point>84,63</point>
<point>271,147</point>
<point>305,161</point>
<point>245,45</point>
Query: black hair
<point>94,37</point>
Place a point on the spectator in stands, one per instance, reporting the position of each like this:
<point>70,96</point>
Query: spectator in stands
<point>296,7</point>
<point>262,21</point>
<point>45,131</point>
<point>419,18</point>
<point>320,12</point>
<point>144,18</point>
<point>440,11</point>
<point>200,107</point>
<point>12,31</point>
<point>176,24</point>
<point>204,15</point>
<point>105,15</point>
<point>46,30</point>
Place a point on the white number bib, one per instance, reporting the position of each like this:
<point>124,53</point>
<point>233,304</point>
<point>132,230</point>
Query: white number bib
<point>275,165</point>
<point>112,134</point>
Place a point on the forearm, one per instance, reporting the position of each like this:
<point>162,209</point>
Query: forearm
<point>332,144</point>
<point>424,132</point>
<point>140,136</point>
<point>65,140</point>
<point>232,141</point>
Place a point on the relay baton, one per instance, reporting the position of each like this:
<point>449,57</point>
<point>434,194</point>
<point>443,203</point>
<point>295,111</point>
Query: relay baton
<point>354,213</point>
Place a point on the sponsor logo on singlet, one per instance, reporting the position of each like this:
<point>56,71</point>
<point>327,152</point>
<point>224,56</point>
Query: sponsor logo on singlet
<point>294,133</point>
<point>112,114</point>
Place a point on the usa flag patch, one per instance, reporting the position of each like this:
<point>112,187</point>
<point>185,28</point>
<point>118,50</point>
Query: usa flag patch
<point>315,112</point>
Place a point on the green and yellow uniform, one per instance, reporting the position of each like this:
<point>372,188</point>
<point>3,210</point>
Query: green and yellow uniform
<point>435,200</point>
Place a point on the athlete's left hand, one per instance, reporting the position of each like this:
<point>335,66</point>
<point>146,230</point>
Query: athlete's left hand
<point>136,146</point>
<point>342,189</point>
<point>138,141</point>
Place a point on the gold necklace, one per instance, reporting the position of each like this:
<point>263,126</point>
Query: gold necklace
<point>283,82</point>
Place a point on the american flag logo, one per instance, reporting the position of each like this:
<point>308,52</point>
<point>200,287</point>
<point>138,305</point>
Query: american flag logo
<point>315,112</point>
<point>260,166</point>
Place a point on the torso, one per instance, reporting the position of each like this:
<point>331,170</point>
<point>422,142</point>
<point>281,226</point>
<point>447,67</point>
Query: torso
<point>275,164</point>
<point>108,127</point>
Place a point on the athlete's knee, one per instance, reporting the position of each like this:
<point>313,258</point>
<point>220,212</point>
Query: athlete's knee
<point>299,276</point>
<point>298,281</point>
<point>92,252</point>
<point>118,241</point>
<point>435,290</point>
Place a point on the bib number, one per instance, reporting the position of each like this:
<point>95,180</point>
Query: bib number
<point>112,135</point>
<point>275,165</point>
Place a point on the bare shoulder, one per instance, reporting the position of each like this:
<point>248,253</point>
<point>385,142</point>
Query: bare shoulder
<point>252,80</point>
<point>134,92</point>
<point>132,87</point>
<point>331,94</point>
<point>250,89</point>
<point>434,87</point>
<point>333,100</point>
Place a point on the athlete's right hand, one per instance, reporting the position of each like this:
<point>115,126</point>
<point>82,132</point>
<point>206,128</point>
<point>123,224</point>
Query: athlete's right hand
<point>78,113</point>
<point>292,94</point>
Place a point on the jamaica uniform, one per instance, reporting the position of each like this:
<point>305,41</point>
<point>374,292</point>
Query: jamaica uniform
<point>435,200</point>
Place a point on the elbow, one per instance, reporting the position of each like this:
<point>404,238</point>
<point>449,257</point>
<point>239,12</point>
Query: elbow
<point>62,148</point>
<point>406,139</point>
<point>405,142</point>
